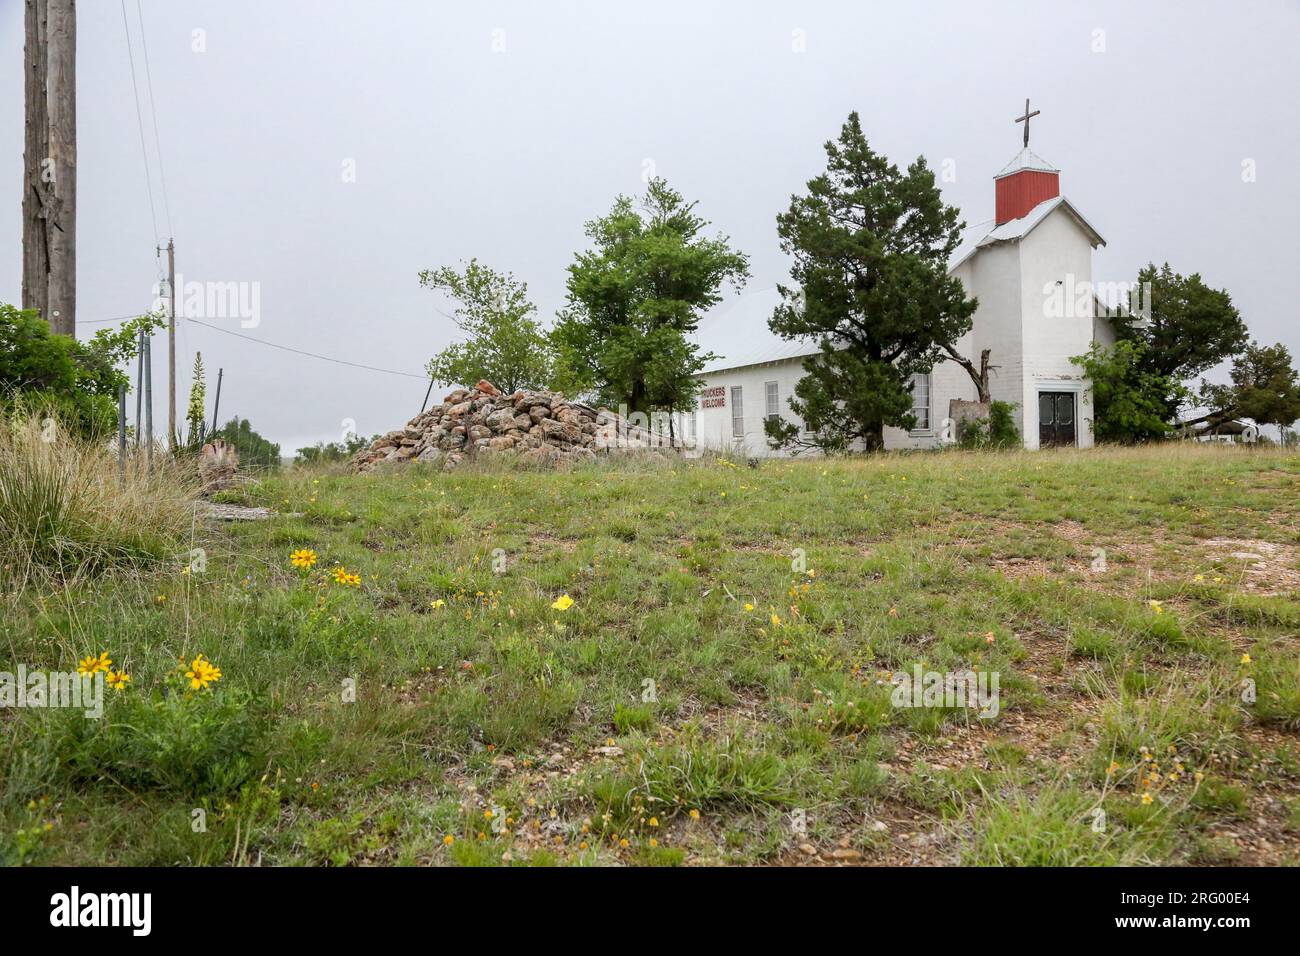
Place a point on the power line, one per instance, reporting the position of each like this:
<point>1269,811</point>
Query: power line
<point>139,119</point>
<point>286,348</point>
<point>118,318</point>
<point>153,111</point>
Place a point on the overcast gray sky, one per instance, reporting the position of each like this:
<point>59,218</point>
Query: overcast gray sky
<point>496,129</point>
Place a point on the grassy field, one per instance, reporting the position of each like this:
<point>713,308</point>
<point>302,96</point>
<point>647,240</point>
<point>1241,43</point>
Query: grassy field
<point>718,691</point>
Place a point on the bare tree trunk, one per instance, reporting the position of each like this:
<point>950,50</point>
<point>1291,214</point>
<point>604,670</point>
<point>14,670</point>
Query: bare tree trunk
<point>979,376</point>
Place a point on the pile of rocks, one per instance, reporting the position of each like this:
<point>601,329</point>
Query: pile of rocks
<point>541,427</point>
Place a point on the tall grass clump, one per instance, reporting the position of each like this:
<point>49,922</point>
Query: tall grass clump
<point>65,511</point>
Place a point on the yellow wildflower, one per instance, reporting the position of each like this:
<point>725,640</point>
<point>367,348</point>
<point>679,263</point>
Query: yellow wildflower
<point>202,672</point>
<point>118,679</point>
<point>93,665</point>
<point>562,603</point>
<point>304,558</point>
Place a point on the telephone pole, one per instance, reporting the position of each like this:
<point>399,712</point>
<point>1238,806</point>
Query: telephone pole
<point>50,163</point>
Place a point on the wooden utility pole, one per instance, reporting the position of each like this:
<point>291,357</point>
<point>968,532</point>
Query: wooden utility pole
<point>50,163</point>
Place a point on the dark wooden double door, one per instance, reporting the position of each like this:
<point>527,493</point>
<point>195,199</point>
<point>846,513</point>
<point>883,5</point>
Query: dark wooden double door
<point>1056,418</point>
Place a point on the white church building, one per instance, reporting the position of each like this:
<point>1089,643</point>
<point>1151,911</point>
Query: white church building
<point>1030,268</point>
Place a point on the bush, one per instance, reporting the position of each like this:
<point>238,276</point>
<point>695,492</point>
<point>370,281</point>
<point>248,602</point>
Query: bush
<point>64,509</point>
<point>1129,402</point>
<point>197,743</point>
<point>997,431</point>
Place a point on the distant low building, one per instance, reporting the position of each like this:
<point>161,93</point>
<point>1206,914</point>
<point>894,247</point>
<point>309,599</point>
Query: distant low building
<point>1229,432</point>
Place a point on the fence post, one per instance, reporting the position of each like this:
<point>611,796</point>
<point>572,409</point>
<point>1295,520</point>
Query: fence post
<point>121,433</point>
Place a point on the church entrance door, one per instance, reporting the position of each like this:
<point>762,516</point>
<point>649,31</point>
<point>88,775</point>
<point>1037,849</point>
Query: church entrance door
<point>1055,419</point>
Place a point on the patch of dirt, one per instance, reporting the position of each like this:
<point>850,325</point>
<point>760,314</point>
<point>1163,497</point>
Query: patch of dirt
<point>1268,568</point>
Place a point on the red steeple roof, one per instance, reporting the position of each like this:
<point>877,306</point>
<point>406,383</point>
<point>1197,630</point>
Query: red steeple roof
<point>1023,183</point>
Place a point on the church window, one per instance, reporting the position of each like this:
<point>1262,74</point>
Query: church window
<point>921,402</point>
<point>737,413</point>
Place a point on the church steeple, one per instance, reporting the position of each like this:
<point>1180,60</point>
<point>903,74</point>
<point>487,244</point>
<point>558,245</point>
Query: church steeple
<point>1026,181</point>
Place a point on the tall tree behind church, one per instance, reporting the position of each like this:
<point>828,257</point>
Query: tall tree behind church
<point>871,245</point>
<point>636,297</point>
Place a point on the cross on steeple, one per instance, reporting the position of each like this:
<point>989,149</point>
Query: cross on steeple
<point>1025,119</point>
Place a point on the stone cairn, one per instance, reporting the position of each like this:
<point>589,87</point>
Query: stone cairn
<point>539,427</point>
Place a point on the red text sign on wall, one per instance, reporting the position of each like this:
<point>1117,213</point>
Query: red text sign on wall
<point>715,397</point>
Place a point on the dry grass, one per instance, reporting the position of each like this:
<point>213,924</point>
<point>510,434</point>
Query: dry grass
<point>68,510</point>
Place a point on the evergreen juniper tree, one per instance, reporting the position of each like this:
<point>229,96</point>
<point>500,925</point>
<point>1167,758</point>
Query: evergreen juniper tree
<point>871,245</point>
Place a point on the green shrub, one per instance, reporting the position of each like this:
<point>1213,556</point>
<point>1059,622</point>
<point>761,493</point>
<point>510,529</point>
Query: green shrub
<point>179,741</point>
<point>997,431</point>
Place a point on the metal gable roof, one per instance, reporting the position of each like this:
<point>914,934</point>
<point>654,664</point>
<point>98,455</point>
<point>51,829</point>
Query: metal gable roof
<point>738,334</point>
<point>1017,229</point>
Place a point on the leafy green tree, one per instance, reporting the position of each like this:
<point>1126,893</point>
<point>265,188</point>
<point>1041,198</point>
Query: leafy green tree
<point>1130,403</point>
<point>57,374</point>
<point>1265,388</point>
<point>254,450</point>
<point>1182,328</point>
<point>636,297</point>
<point>1186,326</point>
<point>871,246</point>
<point>504,342</point>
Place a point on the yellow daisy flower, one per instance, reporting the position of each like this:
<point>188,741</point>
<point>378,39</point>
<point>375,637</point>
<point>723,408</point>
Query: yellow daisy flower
<point>346,578</point>
<point>93,665</point>
<point>304,558</point>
